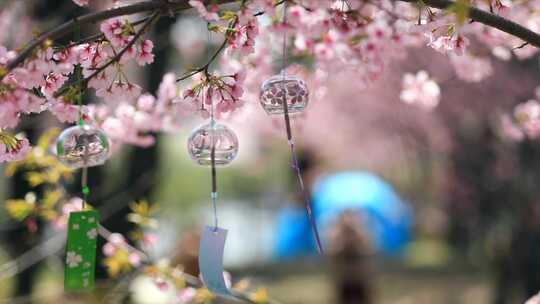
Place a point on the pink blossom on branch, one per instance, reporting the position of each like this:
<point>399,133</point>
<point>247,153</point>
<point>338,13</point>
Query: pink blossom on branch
<point>64,112</point>
<point>203,12</point>
<point>13,148</point>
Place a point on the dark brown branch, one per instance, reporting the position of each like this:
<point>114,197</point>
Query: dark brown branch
<point>521,46</point>
<point>96,37</point>
<point>489,19</point>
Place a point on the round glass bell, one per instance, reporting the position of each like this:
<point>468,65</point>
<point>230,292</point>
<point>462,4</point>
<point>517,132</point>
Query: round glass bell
<point>278,88</point>
<point>82,146</point>
<point>219,137</point>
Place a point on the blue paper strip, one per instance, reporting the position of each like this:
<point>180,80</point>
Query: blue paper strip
<point>211,260</point>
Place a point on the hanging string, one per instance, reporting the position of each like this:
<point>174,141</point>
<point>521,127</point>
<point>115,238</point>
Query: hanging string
<point>295,165</point>
<point>84,175</point>
<point>213,194</point>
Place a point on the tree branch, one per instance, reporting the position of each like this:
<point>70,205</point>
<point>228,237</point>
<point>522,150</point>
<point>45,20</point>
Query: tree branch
<point>166,6</point>
<point>70,26</point>
<point>489,19</point>
<point>117,57</point>
<point>100,36</point>
<point>205,67</point>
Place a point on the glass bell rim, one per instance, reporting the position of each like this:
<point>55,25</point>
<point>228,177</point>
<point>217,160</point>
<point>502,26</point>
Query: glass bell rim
<point>281,77</point>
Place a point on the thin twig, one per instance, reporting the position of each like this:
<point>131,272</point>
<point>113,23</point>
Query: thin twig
<point>116,58</point>
<point>489,19</point>
<point>97,37</point>
<point>205,67</point>
<point>521,46</point>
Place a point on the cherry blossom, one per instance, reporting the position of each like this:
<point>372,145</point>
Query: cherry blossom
<point>221,91</point>
<point>356,39</point>
<point>13,148</point>
<point>353,42</point>
<point>244,33</point>
<point>421,90</point>
<point>117,31</point>
<point>201,9</point>
<point>144,52</point>
<point>471,68</point>
<point>116,244</point>
<point>524,123</point>
<point>73,259</point>
<point>74,204</point>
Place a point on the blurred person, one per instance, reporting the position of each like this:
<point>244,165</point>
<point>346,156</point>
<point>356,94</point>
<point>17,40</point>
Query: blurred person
<point>350,255</point>
<point>186,252</point>
<point>358,214</point>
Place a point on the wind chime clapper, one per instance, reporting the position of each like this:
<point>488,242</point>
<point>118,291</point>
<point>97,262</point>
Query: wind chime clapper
<point>82,146</point>
<point>213,144</point>
<point>283,95</point>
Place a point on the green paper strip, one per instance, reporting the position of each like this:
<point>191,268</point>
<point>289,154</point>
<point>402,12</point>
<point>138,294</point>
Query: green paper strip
<point>81,251</point>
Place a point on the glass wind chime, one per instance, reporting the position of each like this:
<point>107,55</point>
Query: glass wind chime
<point>283,95</point>
<point>213,144</point>
<point>79,147</point>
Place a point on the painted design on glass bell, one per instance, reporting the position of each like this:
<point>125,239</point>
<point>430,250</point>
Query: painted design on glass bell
<point>279,87</point>
<point>205,137</point>
<point>82,146</point>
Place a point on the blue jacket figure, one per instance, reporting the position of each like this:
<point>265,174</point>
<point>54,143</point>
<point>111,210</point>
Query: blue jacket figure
<point>385,218</point>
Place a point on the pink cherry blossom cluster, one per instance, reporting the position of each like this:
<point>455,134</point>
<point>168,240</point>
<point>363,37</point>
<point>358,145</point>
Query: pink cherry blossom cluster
<point>136,121</point>
<point>525,121</point>
<point>356,38</point>
<point>41,83</point>
<point>420,90</point>
<point>362,38</point>
<point>443,37</point>
<point>245,26</point>
<point>246,29</point>
<point>223,92</point>
<point>208,15</point>
<point>116,242</point>
<point>13,148</point>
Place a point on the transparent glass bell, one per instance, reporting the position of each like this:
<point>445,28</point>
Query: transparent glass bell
<point>284,87</point>
<point>221,137</point>
<point>82,146</point>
